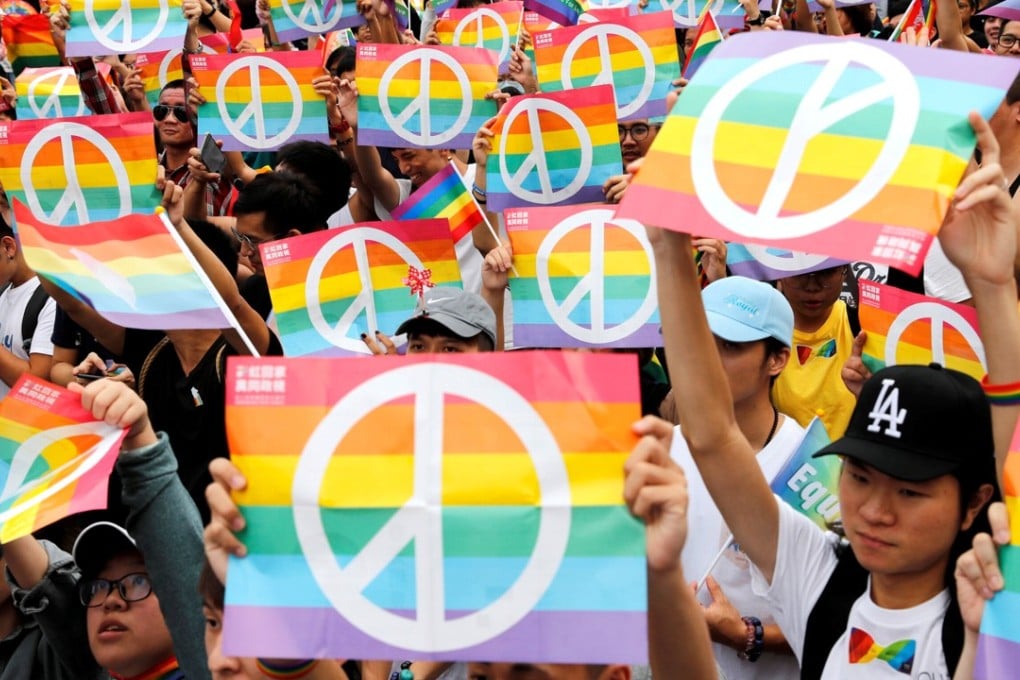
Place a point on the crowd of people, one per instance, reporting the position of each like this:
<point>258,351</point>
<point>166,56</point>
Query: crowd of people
<point>897,588</point>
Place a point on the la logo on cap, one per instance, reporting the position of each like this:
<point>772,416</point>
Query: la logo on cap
<point>887,410</point>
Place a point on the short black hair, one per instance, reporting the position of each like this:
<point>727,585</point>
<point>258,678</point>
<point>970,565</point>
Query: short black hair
<point>217,241</point>
<point>288,200</point>
<point>342,60</point>
<point>177,84</point>
<point>322,167</point>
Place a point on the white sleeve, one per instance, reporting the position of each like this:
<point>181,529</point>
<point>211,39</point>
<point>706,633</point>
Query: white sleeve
<point>805,559</point>
<point>42,339</point>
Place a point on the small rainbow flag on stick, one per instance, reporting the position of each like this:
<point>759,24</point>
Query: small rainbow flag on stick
<point>29,42</point>
<point>124,27</point>
<point>811,485</point>
<point>916,16</point>
<point>135,272</point>
<point>261,102</point>
<point>907,328</point>
<point>586,279</point>
<point>445,196</point>
<point>430,97</point>
<point>637,54</point>
<point>294,20</point>
<point>331,286</point>
<point>437,507</point>
<point>707,39</point>
<point>55,458</point>
<point>563,12</point>
<point>49,93</point>
<point>901,129</point>
<point>77,170</point>
<point>494,27</point>
<point>565,160</point>
<point>998,654</point>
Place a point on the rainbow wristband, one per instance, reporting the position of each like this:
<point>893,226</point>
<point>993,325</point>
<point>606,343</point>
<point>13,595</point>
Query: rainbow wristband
<point>285,671</point>
<point>1001,395</point>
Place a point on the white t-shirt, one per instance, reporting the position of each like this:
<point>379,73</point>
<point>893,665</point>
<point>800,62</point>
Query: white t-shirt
<point>13,302</point>
<point>805,560</point>
<point>706,534</point>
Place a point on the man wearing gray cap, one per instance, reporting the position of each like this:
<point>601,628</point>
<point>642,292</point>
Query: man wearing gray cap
<point>445,320</point>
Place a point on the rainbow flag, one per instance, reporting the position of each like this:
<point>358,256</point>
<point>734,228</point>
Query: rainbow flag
<point>771,264</point>
<point>445,196</point>
<point>883,202</point>
<point>442,6</point>
<point>586,279</point>
<point>1007,9</point>
<point>28,40</point>
<point>219,42</point>
<point>331,286</point>
<point>727,13</point>
<point>494,27</point>
<point>998,654</point>
<point>563,12</point>
<point>157,69</point>
<point>490,528</point>
<point>77,170</point>
<point>435,96</point>
<point>707,39</point>
<point>281,106</point>
<point>566,160</point>
<point>135,271</point>
<point>49,93</point>
<point>811,485</point>
<point>124,27</point>
<point>918,17</point>
<point>294,19</point>
<point>636,54</point>
<point>907,328</point>
<point>55,458</point>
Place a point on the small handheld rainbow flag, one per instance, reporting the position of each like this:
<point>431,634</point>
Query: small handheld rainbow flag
<point>330,287</point>
<point>998,653</point>
<point>586,279</point>
<point>907,328</point>
<point>707,39</point>
<point>565,160</point>
<point>771,264</point>
<point>29,42</point>
<point>923,21</point>
<point>418,96</point>
<point>445,196</point>
<point>135,272</point>
<point>636,54</point>
<point>494,27</point>
<point>77,170</point>
<point>124,27</point>
<point>260,102</point>
<point>563,12</point>
<point>294,20</point>
<point>811,485</point>
<point>156,69</point>
<point>55,458</point>
<point>437,507</point>
<point>744,155</point>
<point>49,93</point>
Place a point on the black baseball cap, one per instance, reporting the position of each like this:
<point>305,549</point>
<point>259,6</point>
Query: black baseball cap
<point>917,423</point>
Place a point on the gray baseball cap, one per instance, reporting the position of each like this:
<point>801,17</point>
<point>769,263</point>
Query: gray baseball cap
<point>462,313</point>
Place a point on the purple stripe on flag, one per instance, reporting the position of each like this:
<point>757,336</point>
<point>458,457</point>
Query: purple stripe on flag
<point>996,658</point>
<point>1008,10</point>
<point>88,48</point>
<point>501,200</point>
<point>550,335</point>
<point>190,320</point>
<point>762,263</point>
<point>232,144</point>
<point>390,139</point>
<point>552,637</point>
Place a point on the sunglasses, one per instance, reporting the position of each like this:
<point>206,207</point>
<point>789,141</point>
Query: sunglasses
<point>160,112</point>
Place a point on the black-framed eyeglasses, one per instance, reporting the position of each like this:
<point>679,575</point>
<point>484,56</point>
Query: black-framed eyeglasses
<point>638,131</point>
<point>245,240</point>
<point>160,112</point>
<point>1007,40</point>
<point>825,278</point>
<point>132,588</point>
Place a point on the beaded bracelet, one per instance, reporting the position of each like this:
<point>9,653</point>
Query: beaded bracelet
<point>1001,395</point>
<point>285,671</point>
<point>405,672</point>
<point>755,639</point>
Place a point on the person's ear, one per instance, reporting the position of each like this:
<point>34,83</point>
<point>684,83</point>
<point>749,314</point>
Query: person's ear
<point>616,672</point>
<point>976,504</point>
<point>9,247</point>
<point>777,361</point>
<point>292,232</point>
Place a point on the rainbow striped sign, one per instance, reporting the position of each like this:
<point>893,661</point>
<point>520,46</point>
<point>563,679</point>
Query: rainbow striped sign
<point>29,42</point>
<point>907,328</point>
<point>563,12</point>
<point>488,527</point>
<point>727,13</point>
<point>998,654</point>
<point>771,264</point>
<point>444,196</point>
<point>55,458</point>
<point>157,69</point>
<point>303,18</point>
<point>261,102</point>
<point>331,286</point>
<point>586,279</point>
<point>636,54</point>
<point>124,27</point>
<point>565,160</point>
<point>427,97</point>
<point>78,170</point>
<point>49,93</point>
<point>220,42</point>
<point>811,485</point>
<point>494,27</point>
<point>746,153</point>
<point>135,272</point>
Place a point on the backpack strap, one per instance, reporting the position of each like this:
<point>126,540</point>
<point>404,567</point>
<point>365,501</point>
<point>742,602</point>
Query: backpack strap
<point>30,320</point>
<point>149,358</point>
<point>831,613</point>
<point>952,633</point>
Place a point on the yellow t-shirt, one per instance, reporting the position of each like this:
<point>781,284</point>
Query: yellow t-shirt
<point>811,385</point>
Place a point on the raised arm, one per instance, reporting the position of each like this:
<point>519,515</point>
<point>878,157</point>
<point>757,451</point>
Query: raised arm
<point>374,176</point>
<point>947,19</point>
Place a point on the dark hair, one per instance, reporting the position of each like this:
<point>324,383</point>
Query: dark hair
<point>342,60</point>
<point>1013,93</point>
<point>209,587</point>
<point>217,241</point>
<point>971,478</point>
<point>860,18</point>
<point>288,200</point>
<point>436,329</point>
<point>322,167</point>
<point>5,229</point>
<point>177,84</point>
<point>774,347</point>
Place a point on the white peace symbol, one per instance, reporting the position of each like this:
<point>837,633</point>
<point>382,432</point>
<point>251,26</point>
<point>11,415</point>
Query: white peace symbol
<point>254,108</point>
<point>609,4</point>
<point>73,195</point>
<point>319,24</point>
<point>68,473</point>
<point>813,116</point>
<point>52,102</point>
<point>420,105</point>
<point>536,159</point>
<point>430,631</point>
<point>477,17</point>
<point>601,33</point>
<point>356,238</point>
<point>689,20</point>
<point>940,316</point>
<point>123,16</point>
<point>593,283</point>
<point>792,261</point>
